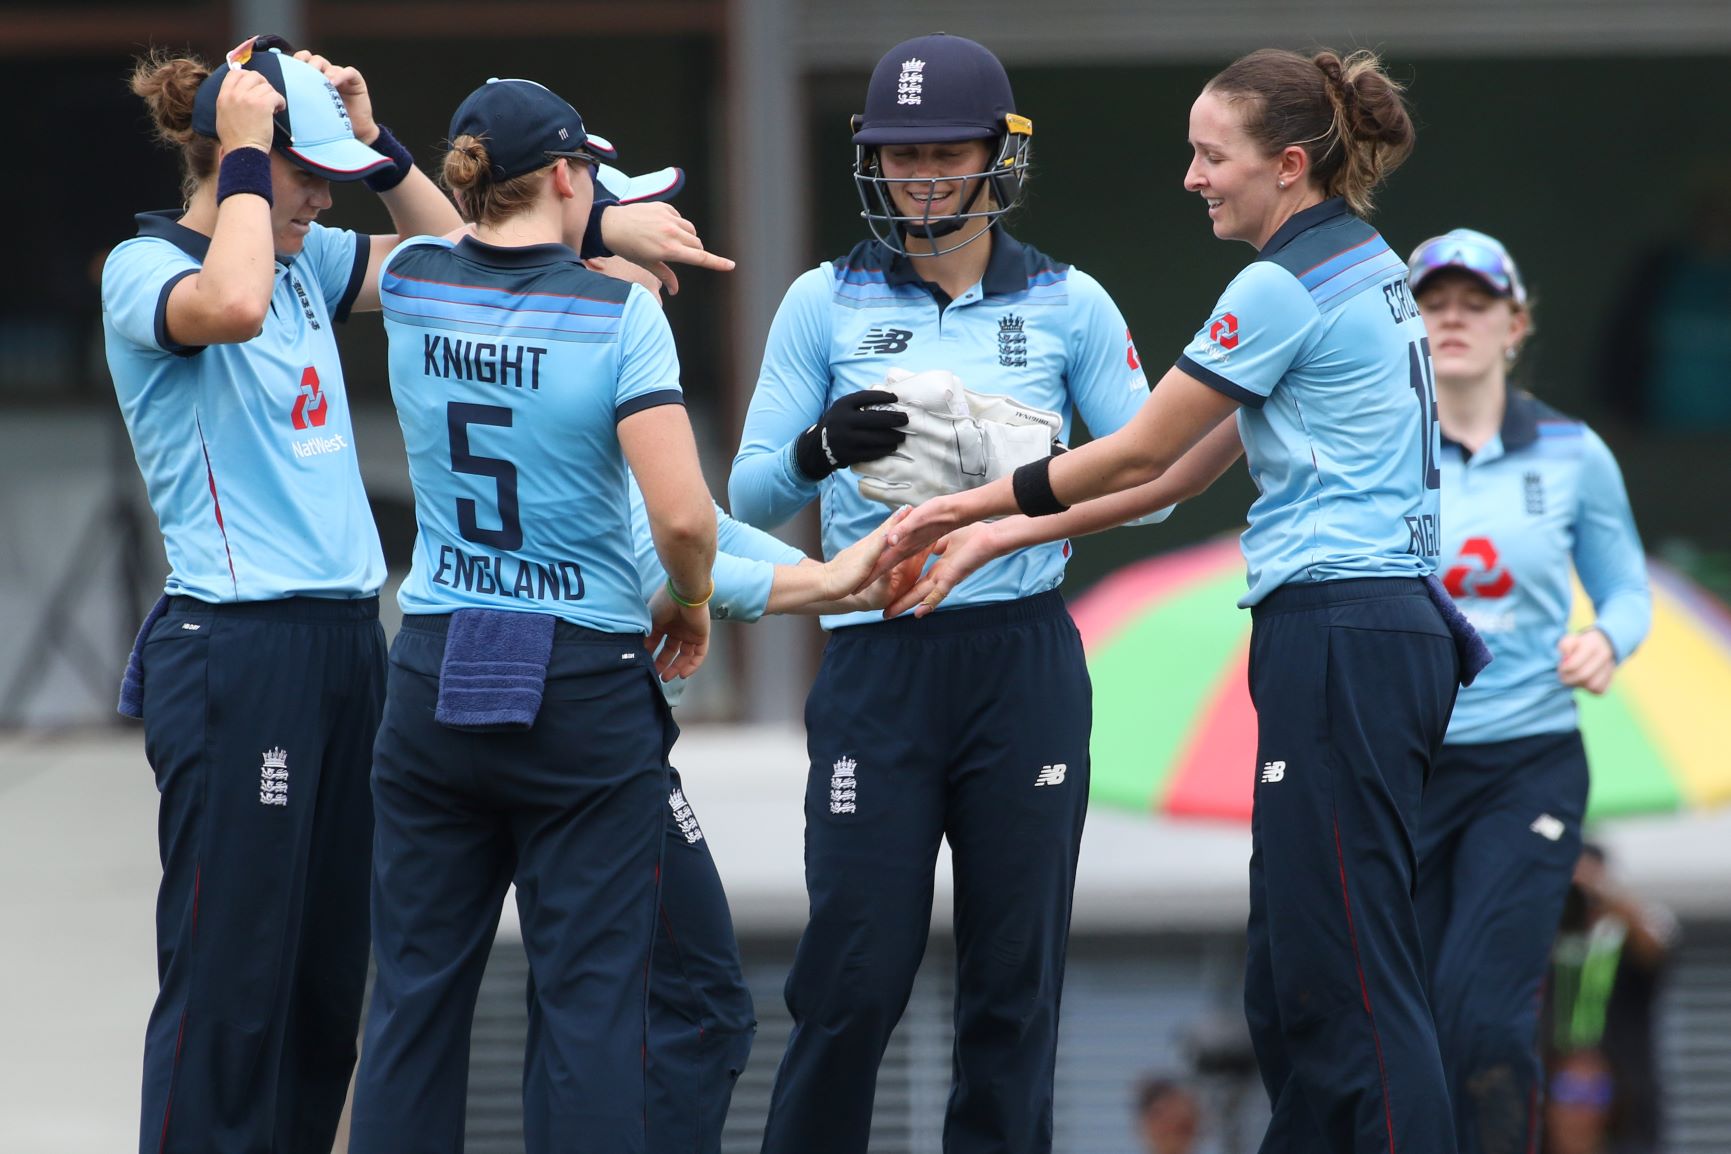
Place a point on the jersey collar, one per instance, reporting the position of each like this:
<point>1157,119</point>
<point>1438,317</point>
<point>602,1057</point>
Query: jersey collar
<point>1301,222</point>
<point>1520,421</point>
<point>1520,427</point>
<point>516,256</point>
<point>1004,267</point>
<point>166,226</point>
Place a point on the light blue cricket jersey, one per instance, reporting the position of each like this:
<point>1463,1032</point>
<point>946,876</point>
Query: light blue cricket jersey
<point>247,449</point>
<point>1542,494</point>
<point>1042,332</point>
<point>1321,342</point>
<point>745,561</point>
<point>511,369</point>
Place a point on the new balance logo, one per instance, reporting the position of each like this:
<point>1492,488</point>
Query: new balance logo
<point>843,794</point>
<point>273,778</point>
<point>189,626</point>
<point>883,342</point>
<point>1273,771</point>
<point>1548,827</point>
<point>1051,774</point>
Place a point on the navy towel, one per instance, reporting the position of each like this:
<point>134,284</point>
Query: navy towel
<point>495,669</point>
<point>132,681</point>
<point>1470,648</point>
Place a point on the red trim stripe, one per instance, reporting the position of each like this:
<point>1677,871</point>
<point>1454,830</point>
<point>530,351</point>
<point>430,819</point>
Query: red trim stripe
<point>180,1037</point>
<point>1364,988</point>
<point>210,474</point>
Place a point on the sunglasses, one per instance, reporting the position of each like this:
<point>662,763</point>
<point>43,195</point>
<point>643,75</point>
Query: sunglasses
<point>581,156</point>
<point>1489,262</point>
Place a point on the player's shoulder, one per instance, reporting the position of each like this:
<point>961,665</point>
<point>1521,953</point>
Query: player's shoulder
<point>1268,285</point>
<point>1333,257</point>
<point>142,254</point>
<point>1546,430</point>
<point>412,252</point>
<point>862,276</point>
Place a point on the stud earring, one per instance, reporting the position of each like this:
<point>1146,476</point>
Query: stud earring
<point>1281,184</point>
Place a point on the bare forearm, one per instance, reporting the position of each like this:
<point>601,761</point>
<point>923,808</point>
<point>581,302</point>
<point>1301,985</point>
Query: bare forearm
<point>239,269</point>
<point>418,208</point>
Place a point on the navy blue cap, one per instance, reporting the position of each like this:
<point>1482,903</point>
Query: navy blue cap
<point>935,88</point>
<point>312,130</point>
<point>521,122</point>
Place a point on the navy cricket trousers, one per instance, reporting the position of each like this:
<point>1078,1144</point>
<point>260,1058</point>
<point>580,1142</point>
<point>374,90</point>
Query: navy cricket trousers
<point>701,1017</point>
<point>1497,850</point>
<point>1353,683</point>
<point>970,725</point>
<point>258,723</point>
<point>573,811</point>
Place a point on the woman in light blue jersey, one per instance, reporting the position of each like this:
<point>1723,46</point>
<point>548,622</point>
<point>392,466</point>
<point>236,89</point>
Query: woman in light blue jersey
<point>972,727</point>
<point>1318,350</point>
<point>1531,499</point>
<point>524,737</point>
<point>260,675</point>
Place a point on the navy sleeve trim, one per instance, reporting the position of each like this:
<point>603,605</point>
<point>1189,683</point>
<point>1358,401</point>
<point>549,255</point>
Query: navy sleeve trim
<point>357,277</point>
<point>648,401</point>
<point>165,342</point>
<point>1219,383</point>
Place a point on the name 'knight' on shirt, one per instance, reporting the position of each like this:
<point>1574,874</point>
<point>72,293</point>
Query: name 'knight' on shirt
<point>483,361</point>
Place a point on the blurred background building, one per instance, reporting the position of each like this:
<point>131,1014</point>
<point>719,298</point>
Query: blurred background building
<point>1581,132</point>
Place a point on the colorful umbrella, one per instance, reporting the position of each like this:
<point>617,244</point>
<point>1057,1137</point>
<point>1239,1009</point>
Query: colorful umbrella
<point>1174,730</point>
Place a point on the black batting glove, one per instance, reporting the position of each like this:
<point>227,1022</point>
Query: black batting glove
<point>849,432</point>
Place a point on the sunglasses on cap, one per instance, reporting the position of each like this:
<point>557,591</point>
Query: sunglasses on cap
<point>1471,252</point>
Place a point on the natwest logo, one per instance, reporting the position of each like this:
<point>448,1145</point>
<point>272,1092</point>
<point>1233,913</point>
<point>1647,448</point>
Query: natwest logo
<point>1224,332</point>
<point>310,408</point>
<point>1130,357</point>
<point>1478,572</point>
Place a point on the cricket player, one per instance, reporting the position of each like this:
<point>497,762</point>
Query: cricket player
<point>261,675</point>
<point>1531,498</point>
<point>524,736</point>
<point>973,726</point>
<point>1319,351</point>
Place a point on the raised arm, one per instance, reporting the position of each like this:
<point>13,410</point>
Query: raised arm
<point>416,205</point>
<point>225,300</point>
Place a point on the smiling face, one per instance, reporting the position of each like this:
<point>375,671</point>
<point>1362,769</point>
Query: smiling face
<point>297,197</point>
<point>1471,329</point>
<point>1237,181</point>
<point>943,165</point>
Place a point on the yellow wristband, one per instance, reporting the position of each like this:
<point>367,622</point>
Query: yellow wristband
<point>698,604</point>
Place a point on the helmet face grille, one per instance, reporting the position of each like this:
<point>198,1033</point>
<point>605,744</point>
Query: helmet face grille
<point>1005,174</point>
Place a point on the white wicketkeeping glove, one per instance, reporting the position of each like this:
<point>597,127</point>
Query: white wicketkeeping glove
<point>956,440</point>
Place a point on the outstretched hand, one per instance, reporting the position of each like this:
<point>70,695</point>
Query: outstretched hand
<point>916,533</point>
<point>960,554</point>
<point>652,234</point>
<point>850,570</point>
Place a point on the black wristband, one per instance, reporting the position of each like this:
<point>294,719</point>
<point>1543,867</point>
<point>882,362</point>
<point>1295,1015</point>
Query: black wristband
<point>244,170</point>
<point>1032,484</point>
<point>593,245</point>
<point>402,162</point>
